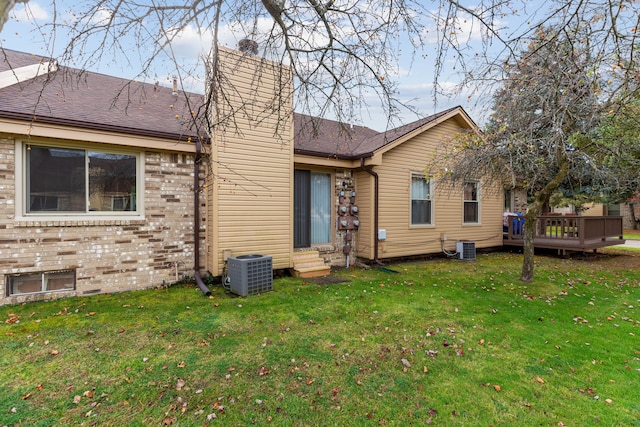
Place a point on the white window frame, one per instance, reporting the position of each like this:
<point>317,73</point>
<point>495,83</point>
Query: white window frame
<point>478,202</point>
<point>43,277</point>
<point>21,180</point>
<point>429,181</point>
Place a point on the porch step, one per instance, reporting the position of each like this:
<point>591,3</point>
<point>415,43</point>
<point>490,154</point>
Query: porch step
<point>308,263</point>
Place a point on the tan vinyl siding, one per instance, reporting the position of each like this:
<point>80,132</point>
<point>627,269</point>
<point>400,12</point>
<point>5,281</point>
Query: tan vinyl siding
<point>403,239</point>
<point>365,196</point>
<point>252,188</point>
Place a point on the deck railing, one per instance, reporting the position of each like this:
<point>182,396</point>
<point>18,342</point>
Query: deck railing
<point>576,230</point>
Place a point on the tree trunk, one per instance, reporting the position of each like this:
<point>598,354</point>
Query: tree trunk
<point>530,220</point>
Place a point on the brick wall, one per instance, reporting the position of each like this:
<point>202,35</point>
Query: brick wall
<point>107,255</point>
<point>333,254</point>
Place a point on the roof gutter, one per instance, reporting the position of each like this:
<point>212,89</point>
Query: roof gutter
<point>332,156</point>
<point>376,199</point>
<point>38,119</point>
<point>196,219</point>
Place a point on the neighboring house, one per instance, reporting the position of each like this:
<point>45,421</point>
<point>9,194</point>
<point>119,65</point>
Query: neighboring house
<point>97,193</point>
<point>96,182</point>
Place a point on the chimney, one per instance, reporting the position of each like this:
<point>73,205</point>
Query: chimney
<point>175,86</point>
<point>248,46</point>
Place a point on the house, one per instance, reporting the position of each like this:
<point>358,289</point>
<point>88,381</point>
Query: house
<point>96,179</point>
<point>109,185</point>
<point>347,192</point>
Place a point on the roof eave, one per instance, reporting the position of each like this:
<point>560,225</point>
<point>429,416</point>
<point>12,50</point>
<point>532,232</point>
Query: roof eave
<point>350,157</point>
<point>99,126</point>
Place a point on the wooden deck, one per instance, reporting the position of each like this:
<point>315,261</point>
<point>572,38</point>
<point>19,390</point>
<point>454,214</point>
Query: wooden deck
<point>567,233</point>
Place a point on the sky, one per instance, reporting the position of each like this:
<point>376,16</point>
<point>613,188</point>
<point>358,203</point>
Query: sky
<point>413,74</point>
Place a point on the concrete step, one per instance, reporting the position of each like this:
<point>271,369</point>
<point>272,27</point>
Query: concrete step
<point>305,255</point>
<point>308,263</point>
<point>309,272</point>
<point>319,262</point>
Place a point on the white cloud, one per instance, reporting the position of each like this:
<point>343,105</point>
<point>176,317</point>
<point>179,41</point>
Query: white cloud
<point>31,11</point>
<point>102,16</point>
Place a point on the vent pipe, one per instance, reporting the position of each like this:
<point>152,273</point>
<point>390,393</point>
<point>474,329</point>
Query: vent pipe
<point>175,86</point>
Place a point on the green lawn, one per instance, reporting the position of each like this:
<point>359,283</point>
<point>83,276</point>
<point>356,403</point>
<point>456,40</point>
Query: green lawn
<point>632,234</point>
<point>442,342</point>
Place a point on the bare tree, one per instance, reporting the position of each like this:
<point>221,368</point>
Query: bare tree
<point>542,134</point>
<point>340,51</point>
<point>5,8</point>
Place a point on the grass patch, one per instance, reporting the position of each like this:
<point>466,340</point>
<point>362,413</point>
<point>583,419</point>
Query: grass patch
<point>443,342</point>
<point>632,234</point>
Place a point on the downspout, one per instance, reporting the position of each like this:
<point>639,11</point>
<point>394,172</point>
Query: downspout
<point>375,209</point>
<point>196,219</point>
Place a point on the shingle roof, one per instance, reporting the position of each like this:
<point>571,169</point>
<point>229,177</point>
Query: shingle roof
<point>97,101</point>
<point>328,138</point>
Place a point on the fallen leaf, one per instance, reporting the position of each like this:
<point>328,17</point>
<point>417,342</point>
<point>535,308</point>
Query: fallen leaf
<point>608,401</point>
<point>53,352</point>
<point>76,399</point>
<point>13,319</point>
<point>497,387</point>
<point>181,364</point>
<point>88,393</point>
<point>406,363</point>
<point>540,380</point>
<point>181,383</point>
<point>263,371</point>
<point>425,369</point>
<point>26,396</point>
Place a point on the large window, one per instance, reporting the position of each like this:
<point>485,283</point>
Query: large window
<point>471,203</point>
<point>312,208</point>
<point>421,204</point>
<point>75,180</point>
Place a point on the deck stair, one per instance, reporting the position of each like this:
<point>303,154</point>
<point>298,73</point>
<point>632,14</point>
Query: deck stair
<point>308,263</point>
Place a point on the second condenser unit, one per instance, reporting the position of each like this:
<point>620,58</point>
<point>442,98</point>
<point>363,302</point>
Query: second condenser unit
<point>466,250</point>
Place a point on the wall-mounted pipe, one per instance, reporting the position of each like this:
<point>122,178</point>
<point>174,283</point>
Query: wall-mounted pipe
<point>196,219</point>
<point>375,208</point>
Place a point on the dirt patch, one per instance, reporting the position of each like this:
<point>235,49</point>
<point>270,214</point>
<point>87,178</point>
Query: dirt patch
<point>327,280</point>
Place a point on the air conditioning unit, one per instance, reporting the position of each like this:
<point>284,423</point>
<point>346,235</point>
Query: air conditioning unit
<point>466,250</point>
<point>250,274</point>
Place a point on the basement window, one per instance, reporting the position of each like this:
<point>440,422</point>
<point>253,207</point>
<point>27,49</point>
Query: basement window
<point>48,281</point>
